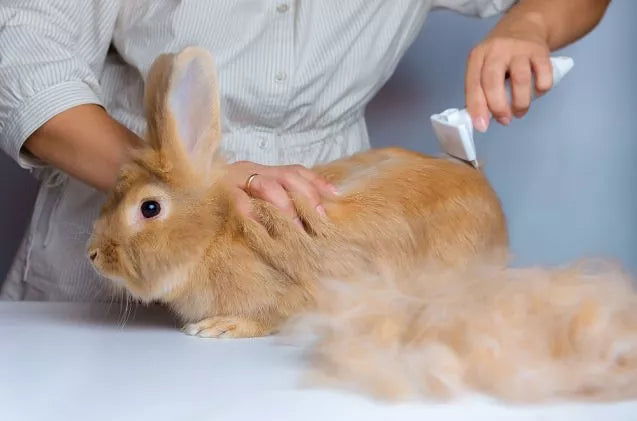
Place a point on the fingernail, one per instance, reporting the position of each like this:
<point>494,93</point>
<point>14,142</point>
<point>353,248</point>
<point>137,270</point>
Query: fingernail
<point>481,124</point>
<point>504,121</point>
<point>298,222</point>
<point>321,210</point>
<point>335,189</point>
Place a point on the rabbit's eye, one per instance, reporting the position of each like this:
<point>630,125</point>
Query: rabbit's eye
<point>150,209</point>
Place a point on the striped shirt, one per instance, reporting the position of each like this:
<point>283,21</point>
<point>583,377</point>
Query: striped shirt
<point>295,77</point>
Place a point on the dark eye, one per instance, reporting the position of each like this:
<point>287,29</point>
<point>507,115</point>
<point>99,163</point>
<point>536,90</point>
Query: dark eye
<point>150,209</point>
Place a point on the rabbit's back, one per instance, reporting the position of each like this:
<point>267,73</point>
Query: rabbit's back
<point>405,207</point>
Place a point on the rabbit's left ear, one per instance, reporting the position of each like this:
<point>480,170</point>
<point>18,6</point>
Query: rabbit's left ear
<point>182,105</point>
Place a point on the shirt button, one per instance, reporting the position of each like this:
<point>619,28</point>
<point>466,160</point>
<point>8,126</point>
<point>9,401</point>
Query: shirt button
<point>263,143</point>
<point>280,76</point>
<point>282,8</point>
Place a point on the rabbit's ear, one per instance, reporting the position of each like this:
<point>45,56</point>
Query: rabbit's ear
<point>182,106</point>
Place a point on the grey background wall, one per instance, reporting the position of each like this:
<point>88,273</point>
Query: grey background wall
<point>566,173</point>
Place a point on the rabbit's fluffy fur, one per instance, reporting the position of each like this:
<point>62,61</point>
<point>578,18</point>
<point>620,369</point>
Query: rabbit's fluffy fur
<point>445,327</point>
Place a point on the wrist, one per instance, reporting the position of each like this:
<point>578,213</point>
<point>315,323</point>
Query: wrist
<point>527,25</point>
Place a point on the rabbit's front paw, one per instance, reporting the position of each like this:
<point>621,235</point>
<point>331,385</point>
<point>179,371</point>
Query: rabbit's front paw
<point>226,327</point>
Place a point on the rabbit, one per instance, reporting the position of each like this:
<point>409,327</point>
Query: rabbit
<point>169,231</point>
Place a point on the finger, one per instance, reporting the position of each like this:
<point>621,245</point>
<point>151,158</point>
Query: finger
<point>520,73</point>
<point>543,70</point>
<point>493,75</point>
<point>474,95</point>
<point>294,183</point>
<point>268,189</point>
<point>241,170</point>
<point>243,204</point>
<point>324,187</point>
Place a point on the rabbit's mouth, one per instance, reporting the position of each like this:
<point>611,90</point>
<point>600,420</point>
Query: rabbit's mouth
<point>116,279</point>
<point>98,263</point>
<point>107,261</point>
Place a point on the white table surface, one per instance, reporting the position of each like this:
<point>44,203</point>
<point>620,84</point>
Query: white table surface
<point>74,362</point>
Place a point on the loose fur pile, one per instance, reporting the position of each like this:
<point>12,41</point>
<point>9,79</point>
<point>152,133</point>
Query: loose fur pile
<point>521,335</point>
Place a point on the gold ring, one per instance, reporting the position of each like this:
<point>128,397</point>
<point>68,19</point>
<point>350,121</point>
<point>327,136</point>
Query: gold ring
<point>249,181</point>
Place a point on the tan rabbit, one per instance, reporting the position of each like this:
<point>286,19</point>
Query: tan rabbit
<point>170,232</point>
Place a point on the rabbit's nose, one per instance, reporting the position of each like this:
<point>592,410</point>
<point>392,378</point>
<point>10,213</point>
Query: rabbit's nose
<point>92,255</point>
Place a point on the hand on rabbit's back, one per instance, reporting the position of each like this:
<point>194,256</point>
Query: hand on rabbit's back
<point>169,231</point>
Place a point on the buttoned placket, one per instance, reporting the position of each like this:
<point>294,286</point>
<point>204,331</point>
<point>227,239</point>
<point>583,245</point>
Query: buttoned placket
<point>280,69</point>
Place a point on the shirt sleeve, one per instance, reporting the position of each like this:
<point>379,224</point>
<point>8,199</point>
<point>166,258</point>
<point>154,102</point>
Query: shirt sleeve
<point>51,56</point>
<point>481,8</point>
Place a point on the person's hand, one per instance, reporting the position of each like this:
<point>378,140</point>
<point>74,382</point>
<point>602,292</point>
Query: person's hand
<point>516,52</point>
<point>274,184</point>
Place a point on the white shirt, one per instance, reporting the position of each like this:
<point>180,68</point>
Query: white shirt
<point>295,77</point>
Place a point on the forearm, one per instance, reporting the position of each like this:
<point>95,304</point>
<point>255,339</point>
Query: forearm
<point>86,143</point>
<point>557,22</point>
